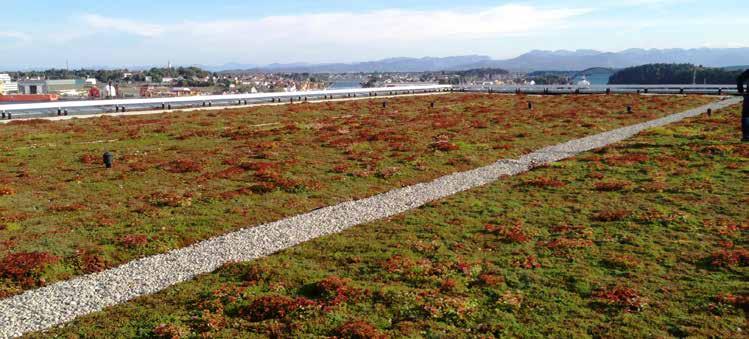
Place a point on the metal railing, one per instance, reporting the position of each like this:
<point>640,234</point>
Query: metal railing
<point>606,89</point>
<point>117,105</point>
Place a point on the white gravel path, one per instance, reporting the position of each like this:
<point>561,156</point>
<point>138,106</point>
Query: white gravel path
<point>64,301</point>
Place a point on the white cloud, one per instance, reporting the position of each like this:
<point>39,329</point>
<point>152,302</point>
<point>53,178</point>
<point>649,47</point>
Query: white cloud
<point>339,36</point>
<point>385,25</point>
<point>726,44</point>
<point>15,35</point>
<point>320,37</point>
<point>650,3</point>
<point>101,23</point>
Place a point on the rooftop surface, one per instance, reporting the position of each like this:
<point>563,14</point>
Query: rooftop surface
<point>245,167</point>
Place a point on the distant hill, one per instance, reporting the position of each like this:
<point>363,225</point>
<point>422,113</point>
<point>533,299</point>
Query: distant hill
<point>385,65</point>
<point>226,67</point>
<point>736,68</point>
<point>537,60</point>
<point>582,59</point>
<point>658,74</point>
<point>532,61</point>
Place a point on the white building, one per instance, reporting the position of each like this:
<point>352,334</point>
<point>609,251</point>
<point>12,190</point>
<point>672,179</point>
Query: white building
<point>8,85</point>
<point>91,81</point>
<point>5,78</point>
<point>584,82</point>
<point>71,93</point>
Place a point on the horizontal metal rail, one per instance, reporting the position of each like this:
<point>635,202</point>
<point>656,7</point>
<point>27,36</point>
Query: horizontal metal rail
<point>606,89</point>
<point>216,98</point>
<point>93,107</point>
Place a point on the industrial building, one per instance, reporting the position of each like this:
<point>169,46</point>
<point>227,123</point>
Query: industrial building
<point>33,87</point>
<point>50,86</point>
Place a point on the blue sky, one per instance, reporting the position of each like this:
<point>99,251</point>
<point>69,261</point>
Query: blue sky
<point>137,32</point>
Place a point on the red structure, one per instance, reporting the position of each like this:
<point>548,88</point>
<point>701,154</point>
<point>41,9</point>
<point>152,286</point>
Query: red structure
<point>94,92</point>
<point>29,98</point>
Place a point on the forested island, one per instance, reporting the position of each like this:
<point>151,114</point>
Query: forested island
<point>660,74</point>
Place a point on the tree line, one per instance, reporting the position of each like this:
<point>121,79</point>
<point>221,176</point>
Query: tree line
<point>56,74</point>
<point>660,74</point>
<point>189,74</point>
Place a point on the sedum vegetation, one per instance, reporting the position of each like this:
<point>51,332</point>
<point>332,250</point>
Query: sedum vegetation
<point>646,238</point>
<point>183,177</point>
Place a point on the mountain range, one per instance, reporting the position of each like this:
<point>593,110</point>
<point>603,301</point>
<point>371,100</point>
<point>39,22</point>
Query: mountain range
<point>532,61</point>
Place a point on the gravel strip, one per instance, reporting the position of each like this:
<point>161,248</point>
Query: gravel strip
<point>64,301</point>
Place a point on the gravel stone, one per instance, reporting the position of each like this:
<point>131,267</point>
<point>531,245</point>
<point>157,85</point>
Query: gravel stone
<point>54,305</point>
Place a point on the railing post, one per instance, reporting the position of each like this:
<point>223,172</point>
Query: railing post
<point>108,159</point>
<point>745,119</point>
